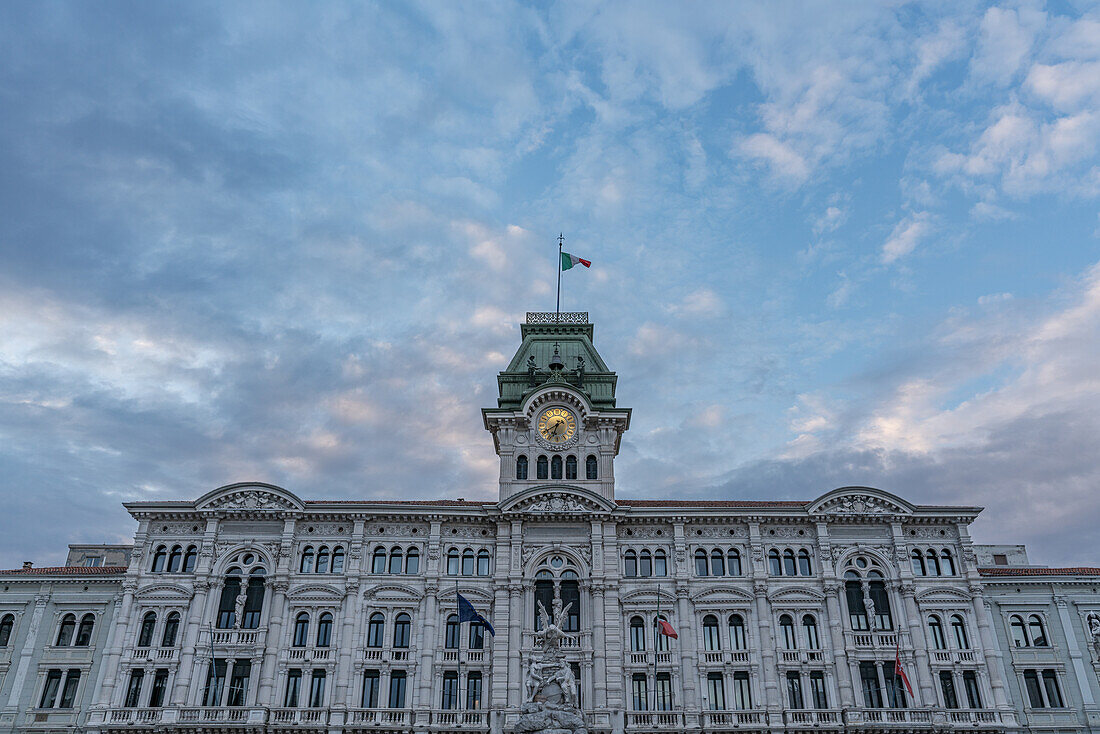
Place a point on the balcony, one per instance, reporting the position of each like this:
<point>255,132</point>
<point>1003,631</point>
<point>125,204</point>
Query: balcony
<point>646,658</point>
<point>224,715</point>
<point>307,654</point>
<point>949,657</point>
<point>1052,717</point>
<point>977,717</point>
<point>800,656</point>
<point>372,653</point>
<point>294,717</point>
<point>59,719</point>
<point>812,718</point>
<point>889,718</point>
<point>134,717</point>
<point>155,654</point>
<point>58,654</point>
<point>729,719</point>
<point>655,720</point>
<point>875,639</point>
<point>718,657</point>
<point>240,638</point>
<point>380,717</point>
<point>454,719</point>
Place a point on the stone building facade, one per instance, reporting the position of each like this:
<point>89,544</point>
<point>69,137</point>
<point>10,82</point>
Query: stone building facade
<point>251,609</point>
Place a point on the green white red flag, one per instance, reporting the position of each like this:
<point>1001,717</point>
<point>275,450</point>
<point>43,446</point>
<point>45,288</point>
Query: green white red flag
<point>568,261</point>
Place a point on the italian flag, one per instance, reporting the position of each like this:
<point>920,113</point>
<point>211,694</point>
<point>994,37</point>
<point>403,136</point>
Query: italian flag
<point>666,629</point>
<point>568,261</point>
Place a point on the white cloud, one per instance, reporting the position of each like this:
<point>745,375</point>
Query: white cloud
<point>907,234</point>
<point>781,158</point>
<point>1007,36</point>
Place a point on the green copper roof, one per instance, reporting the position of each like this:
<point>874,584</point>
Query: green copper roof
<point>572,334</point>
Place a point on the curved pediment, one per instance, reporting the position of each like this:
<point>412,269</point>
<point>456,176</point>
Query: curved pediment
<point>557,499</point>
<point>392,592</point>
<point>253,496</point>
<point>315,593</point>
<point>477,597</point>
<point>719,594</point>
<point>168,592</point>
<point>943,596</point>
<point>797,595</point>
<point>649,598</point>
<point>859,502</point>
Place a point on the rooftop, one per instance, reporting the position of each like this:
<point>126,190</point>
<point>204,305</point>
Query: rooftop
<point>1038,571</point>
<point>66,571</point>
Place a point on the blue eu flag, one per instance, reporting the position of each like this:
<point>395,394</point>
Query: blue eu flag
<point>467,613</point>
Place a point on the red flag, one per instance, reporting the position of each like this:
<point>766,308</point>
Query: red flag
<point>666,629</point>
<point>899,671</point>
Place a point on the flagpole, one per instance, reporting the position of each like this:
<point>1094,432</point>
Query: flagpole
<point>458,655</point>
<point>557,308</point>
<point>656,645</point>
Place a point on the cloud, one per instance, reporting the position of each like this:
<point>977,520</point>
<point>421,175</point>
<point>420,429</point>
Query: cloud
<point>906,235</point>
<point>1007,36</point>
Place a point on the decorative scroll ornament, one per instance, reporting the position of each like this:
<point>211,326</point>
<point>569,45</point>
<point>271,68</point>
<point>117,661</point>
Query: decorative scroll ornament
<point>860,504</point>
<point>251,499</point>
<point>557,503</point>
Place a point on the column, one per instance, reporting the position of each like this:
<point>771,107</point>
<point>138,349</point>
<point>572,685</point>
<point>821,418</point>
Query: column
<point>1075,656</point>
<point>29,645</point>
<point>923,668</point>
<point>688,646</point>
<point>189,640</point>
<point>429,643</point>
<point>114,653</point>
<point>836,636</point>
<point>598,698</point>
<point>515,642</point>
<point>989,648</point>
<point>275,593</point>
<point>773,697</point>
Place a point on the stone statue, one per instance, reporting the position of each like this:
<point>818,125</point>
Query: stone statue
<point>551,633</point>
<point>1094,630</point>
<point>550,688</point>
<point>238,609</point>
<point>872,617</point>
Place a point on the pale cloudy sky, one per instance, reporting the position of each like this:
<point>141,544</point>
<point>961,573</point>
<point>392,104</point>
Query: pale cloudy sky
<point>832,244</point>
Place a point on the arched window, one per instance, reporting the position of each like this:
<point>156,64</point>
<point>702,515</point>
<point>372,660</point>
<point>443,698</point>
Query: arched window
<point>809,627</point>
<point>159,559</point>
<point>396,558</point>
<point>412,561</point>
<point>7,623</point>
<point>171,629</point>
<point>324,630</point>
<point>542,468</point>
<point>521,467</point>
<point>661,644</point>
<point>733,562</point>
<point>788,563</point>
<point>402,630</point>
<point>66,630</point>
<point>483,562</point>
<point>774,566</point>
<point>717,563</point>
<point>453,562</point>
<point>1035,627</point>
<point>933,563</point>
<point>148,624</point>
<point>590,470</point>
<point>378,560</point>
<point>630,561</point>
<point>645,564</point>
<point>468,562</point>
<point>959,628</point>
<point>947,562</point>
<point>306,566</point>
<point>786,624</point>
<point>710,633</point>
<point>450,638</point>
<point>376,628</point>
<point>700,562</point>
<point>544,593</point>
<point>254,600</point>
<point>804,567</point>
<point>637,634</point>
<point>338,559</point>
<point>190,558</point>
<point>477,636</point>
<point>1019,633</point>
<point>738,641</point>
<point>918,563</point>
<point>853,594</point>
<point>877,590</point>
<point>570,467</point>
<point>84,631</point>
<point>301,630</point>
<point>571,592</point>
<point>935,631</point>
<point>227,613</point>
<point>322,559</point>
<point>555,467</point>
<point>175,559</point>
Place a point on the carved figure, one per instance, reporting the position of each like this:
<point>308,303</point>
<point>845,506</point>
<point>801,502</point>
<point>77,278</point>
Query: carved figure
<point>1094,630</point>
<point>238,609</point>
<point>551,633</point>
<point>872,617</point>
<point>534,680</point>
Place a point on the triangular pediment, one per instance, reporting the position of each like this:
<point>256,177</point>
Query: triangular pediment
<point>557,500</point>
<point>251,496</point>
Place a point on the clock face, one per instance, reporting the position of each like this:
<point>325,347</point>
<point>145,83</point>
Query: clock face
<point>557,425</point>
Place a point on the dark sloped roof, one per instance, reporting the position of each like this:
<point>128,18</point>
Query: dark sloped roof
<point>1033,571</point>
<point>66,571</point>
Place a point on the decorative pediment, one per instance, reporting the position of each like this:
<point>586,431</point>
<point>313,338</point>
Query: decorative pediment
<point>250,497</point>
<point>392,592</point>
<point>557,500</point>
<point>477,597</point>
<point>796,595</point>
<point>315,593</point>
<point>859,502</point>
<point>943,596</point>
<point>165,592</point>
<point>648,598</point>
<point>721,594</point>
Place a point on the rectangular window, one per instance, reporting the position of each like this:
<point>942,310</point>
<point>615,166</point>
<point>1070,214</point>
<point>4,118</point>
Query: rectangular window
<point>895,687</point>
<point>999,559</point>
<point>1050,684</point>
<point>857,611</point>
<point>133,690</point>
<point>450,689</point>
<point>317,689</point>
<point>68,693</point>
<point>639,692</point>
<point>93,561</point>
<point>371,684</point>
<point>664,691</point>
<point>947,686</point>
<point>973,695</point>
<point>397,689</point>
<point>1034,691</point>
<point>293,687</point>
<point>160,685</point>
<point>817,690</point>
<point>215,681</point>
<point>742,692</point>
<point>473,691</point>
<point>49,692</point>
<point>716,691</point>
<point>794,690</point>
<point>238,683</point>
<point>576,668</point>
<point>872,694</point>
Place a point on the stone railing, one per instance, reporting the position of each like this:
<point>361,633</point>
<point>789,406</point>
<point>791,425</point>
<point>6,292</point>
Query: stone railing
<point>453,718</point>
<point>565,317</point>
<point>380,717</point>
<point>952,656</point>
<point>725,718</point>
<point>875,639</point>
<point>812,718</point>
<point>251,638</point>
<point>670,720</point>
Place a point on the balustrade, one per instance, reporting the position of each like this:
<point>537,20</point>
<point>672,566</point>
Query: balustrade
<point>384,717</point>
<point>672,720</point>
<point>712,719</point>
<point>812,717</point>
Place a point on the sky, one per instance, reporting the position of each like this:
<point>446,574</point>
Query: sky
<point>832,245</point>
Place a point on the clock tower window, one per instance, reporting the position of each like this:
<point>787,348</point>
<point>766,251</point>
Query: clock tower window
<point>521,467</point>
<point>555,468</point>
<point>571,467</point>
<point>542,468</point>
<point>590,470</point>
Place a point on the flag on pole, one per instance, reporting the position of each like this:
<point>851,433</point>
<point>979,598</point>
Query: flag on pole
<point>568,261</point>
<point>900,671</point>
<point>467,613</point>
<point>666,629</point>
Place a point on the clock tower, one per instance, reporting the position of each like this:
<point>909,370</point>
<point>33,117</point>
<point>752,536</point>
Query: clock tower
<point>556,423</point>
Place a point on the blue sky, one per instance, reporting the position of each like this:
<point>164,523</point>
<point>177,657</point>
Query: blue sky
<point>293,243</point>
